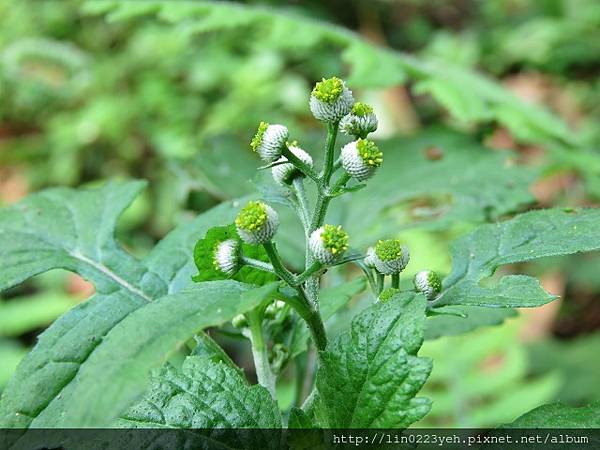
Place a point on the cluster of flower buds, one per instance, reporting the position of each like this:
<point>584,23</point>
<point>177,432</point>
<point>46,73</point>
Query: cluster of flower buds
<point>331,100</point>
<point>361,158</point>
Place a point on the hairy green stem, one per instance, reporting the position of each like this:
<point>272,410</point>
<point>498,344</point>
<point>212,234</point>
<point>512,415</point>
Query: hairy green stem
<point>396,281</point>
<point>304,168</point>
<point>314,267</point>
<point>303,213</point>
<point>264,374</point>
<point>332,130</point>
<point>380,282</point>
<point>278,266</point>
<point>257,264</point>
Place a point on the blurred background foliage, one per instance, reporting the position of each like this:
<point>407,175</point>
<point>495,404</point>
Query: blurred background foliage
<point>486,108</point>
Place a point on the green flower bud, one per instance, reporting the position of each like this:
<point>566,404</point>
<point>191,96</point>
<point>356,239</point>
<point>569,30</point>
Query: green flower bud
<point>269,141</point>
<point>387,294</point>
<point>360,122</point>
<point>361,158</point>
<point>257,223</point>
<point>226,257</point>
<point>274,308</point>
<point>284,174</point>
<point>328,243</point>
<point>428,282</point>
<point>239,321</point>
<point>391,257</point>
<point>331,100</point>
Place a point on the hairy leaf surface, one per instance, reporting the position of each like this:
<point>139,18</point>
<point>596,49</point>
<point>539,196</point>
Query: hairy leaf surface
<point>371,374</point>
<point>206,393</point>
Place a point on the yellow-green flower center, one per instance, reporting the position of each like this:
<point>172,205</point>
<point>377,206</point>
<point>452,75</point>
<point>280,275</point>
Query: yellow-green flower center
<point>387,294</point>
<point>388,250</point>
<point>434,281</point>
<point>258,137</point>
<point>252,216</point>
<point>328,90</point>
<point>335,239</point>
<point>361,109</point>
<point>369,153</point>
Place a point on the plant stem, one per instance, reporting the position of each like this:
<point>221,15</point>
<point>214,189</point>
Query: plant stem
<point>264,374</point>
<point>298,185</point>
<point>304,168</point>
<point>380,282</point>
<point>396,281</point>
<point>314,267</point>
<point>257,264</point>
<point>332,130</point>
<point>278,266</point>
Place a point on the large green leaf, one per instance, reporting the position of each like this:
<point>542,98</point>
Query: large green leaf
<point>468,96</point>
<point>144,340</point>
<point>528,236</point>
<point>370,374</point>
<point>64,347</point>
<point>207,394</point>
<point>557,415</point>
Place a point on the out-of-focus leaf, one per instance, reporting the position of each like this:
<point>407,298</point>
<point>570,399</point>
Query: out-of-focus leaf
<point>557,415</point>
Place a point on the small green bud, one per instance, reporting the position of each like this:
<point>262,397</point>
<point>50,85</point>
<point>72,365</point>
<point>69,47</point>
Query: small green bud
<point>257,223</point>
<point>239,321</point>
<point>330,100</point>
<point>387,294</point>
<point>274,308</point>
<point>428,282</point>
<point>328,243</point>
<point>284,174</point>
<point>361,158</point>
<point>269,141</point>
<point>390,256</point>
<point>360,122</point>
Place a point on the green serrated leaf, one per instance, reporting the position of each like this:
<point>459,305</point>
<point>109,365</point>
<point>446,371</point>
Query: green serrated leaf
<point>204,256</point>
<point>557,415</point>
<point>370,375</point>
<point>528,236</point>
<point>207,394</point>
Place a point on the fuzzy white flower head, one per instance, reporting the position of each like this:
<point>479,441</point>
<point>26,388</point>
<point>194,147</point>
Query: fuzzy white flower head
<point>330,100</point>
<point>284,174</point>
<point>428,282</point>
<point>227,256</point>
<point>360,122</point>
<point>257,223</point>
<point>370,258</point>
<point>391,257</point>
<point>269,141</point>
<point>361,158</point>
<point>328,243</point>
